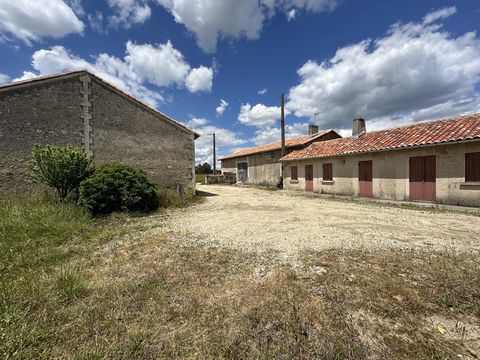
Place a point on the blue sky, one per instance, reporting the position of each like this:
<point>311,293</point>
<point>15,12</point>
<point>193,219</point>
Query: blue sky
<point>220,66</point>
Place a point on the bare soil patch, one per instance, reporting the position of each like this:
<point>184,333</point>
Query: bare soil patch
<point>261,220</point>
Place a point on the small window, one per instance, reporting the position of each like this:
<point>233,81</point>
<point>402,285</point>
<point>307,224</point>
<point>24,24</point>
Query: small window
<point>294,173</point>
<point>270,155</point>
<point>327,172</point>
<point>472,167</point>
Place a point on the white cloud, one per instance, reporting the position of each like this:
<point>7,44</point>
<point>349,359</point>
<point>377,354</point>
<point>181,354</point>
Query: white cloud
<point>96,21</point>
<point>211,20</point>
<point>262,91</point>
<point>271,135</point>
<point>291,14</point>
<point>27,75</point>
<point>259,115</point>
<point>30,20</point>
<point>162,65</point>
<point>225,139</point>
<point>414,72</point>
<point>76,6</point>
<point>199,79</point>
<point>439,14</point>
<point>196,122</point>
<point>4,79</point>
<point>222,107</point>
<point>129,12</point>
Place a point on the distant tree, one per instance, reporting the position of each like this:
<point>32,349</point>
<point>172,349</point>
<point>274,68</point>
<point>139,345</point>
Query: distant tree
<point>204,168</point>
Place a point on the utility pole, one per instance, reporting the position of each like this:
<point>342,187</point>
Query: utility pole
<point>214,156</point>
<point>282,125</point>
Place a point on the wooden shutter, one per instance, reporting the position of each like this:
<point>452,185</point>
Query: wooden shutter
<point>327,172</point>
<point>472,167</point>
<point>294,173</point>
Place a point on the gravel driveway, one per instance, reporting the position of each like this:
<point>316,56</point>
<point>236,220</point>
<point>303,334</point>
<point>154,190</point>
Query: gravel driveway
<point>261,220</point>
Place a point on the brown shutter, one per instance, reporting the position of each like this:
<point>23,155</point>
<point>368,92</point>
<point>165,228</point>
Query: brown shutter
<point>294,173</point>
<point>327,172</point>
<point>472,167</point>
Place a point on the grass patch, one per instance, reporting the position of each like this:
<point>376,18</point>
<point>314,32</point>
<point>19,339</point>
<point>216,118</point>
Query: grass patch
<point>77,287</point>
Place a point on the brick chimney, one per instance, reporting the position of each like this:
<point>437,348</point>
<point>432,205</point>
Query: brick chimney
<point>312,129</point>
<point>358,128</point>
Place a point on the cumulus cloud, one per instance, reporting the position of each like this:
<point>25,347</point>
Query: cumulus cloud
<point>415,71</point>
<point>222,107</point>
<point>199,79</point>
<point>259,115</point>
<point>262,91</point>
<point>161,65</point>
<point>226,141</point>
<point>271,135</point>
<point>211,20</point>
<point>32,20</point>
<point>4,78</point>
<point>291,14</point>
<point>129,12</point>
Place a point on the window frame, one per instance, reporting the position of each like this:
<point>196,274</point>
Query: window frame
<point>292,172</point>
<point>472,167</point>
<point>324,166</point>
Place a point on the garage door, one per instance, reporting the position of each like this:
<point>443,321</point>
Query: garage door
<point>309,177</point>
<point>423,178</point>
<point>365,176</point>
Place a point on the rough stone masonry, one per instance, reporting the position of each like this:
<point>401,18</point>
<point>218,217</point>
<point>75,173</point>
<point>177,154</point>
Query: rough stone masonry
<point>81,110</point>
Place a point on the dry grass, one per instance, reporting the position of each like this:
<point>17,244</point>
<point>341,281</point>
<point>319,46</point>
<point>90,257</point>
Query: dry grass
<point>123,291</point>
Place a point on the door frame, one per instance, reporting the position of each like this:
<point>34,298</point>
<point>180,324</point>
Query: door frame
<point>425,188</point>
<point>241,162</point>
<point>365,187</point>
<point>309,188</point>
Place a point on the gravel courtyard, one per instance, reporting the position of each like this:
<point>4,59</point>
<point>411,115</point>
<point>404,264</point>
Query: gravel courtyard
<point>281,221</point>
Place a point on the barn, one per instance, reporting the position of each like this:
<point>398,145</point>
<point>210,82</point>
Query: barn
<point>435,161</point>
<point>261,165</point>
<point>82,110</point>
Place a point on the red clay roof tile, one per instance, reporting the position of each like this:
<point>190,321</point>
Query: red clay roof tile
<point>292,142</point>
<point>426,133</point>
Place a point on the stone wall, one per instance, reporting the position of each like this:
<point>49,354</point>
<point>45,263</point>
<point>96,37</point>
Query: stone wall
<point>391,174</point>
<point>47,113</point>
<point>84,112</point>
<point>126,132</point>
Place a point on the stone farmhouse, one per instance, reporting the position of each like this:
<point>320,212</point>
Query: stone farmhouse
<point>261,165</point>
<point>82,110</point>
<point>436,161</point>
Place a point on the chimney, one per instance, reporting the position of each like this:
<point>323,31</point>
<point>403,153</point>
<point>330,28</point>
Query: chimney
<point>358,128</point>
<point>312,129</point>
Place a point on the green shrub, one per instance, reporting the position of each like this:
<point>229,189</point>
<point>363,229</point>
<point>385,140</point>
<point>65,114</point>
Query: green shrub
<point>62,168</point>
<point>172,199</point>
<point>117,187</point>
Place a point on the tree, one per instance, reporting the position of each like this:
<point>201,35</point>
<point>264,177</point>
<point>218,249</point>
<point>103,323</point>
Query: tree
<point>62,168</point>
<point>204,168</point>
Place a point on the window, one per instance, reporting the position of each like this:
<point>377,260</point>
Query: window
<point>327,172</point>
<point>472,167</point>
<point>294,173</point>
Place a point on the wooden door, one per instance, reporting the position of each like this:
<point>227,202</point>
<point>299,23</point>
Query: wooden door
<point>309,177</point>
<point>242,171</point>
<point>423,178</point>
<point>365,176</point>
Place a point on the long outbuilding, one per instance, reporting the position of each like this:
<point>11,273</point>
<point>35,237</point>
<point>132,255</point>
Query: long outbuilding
<point>261,165</point>
<point>435,161</point>
<point>80,109</point>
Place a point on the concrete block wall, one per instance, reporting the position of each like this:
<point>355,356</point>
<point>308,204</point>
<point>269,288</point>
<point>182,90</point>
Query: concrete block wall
<point>391,174</point>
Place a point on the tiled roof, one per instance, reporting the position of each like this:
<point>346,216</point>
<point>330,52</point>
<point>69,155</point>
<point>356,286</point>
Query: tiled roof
<point>289,143</point>
<point>74,73</point>
<point>421,134</point>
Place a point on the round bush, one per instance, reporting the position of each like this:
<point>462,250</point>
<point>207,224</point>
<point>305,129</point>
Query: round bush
<point>117,187</point>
